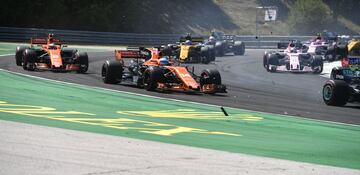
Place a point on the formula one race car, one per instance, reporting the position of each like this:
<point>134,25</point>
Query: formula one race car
<point>344,83</point>
<point>150,70</point>
<point>49,54</point>
<point>293,60</point>
<point>191,50</point>
<point>316,47</point>
<point>226,44</point>
<point>337,50</point>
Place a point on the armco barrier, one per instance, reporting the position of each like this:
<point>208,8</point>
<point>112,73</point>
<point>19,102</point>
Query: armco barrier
<point>10,34</point>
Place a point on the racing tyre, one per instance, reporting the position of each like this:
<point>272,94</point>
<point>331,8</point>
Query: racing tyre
<point>29,58</point>
<point>239,48</point>
<point>19,54</point>
<point>212,52</point>
<point>272,60</point>
<point>69,53</point>
<point>205,55</point>
<point>210,76</point>
<point>317,64</point>
<point>83,61</point>
<point>112,72</point>
<point>219,49</point>
<point>265,59</point>
<point>335,92</point>
<point>152,76</point>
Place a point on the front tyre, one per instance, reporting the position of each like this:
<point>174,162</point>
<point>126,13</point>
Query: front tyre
<point>83,61</point>
<point>239,48</point>
<point>28,59</point>
<point>335,92</point>
<point>152,76</point>
<point>317,64</point>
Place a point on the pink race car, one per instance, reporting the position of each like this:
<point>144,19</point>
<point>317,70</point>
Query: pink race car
<point>292,59</point>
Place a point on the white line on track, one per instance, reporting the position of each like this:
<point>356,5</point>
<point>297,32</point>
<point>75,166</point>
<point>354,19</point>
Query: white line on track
<point>9,54</point>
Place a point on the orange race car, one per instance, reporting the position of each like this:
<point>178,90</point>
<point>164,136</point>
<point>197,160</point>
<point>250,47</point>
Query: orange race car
<point>148,69</point>
<point>49,54</point>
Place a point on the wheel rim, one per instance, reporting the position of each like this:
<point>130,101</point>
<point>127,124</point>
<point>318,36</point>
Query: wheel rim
<point>327,92</point>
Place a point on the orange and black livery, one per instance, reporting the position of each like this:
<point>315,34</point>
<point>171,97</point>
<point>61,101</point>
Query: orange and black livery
<point>49,54</point>
<point>148,68</point>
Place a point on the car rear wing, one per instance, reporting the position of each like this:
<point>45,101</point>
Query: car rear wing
<point>285,43</point>
<point>193,39</point>
<point>43,41</point>
<point>130,53</point>
<point>282,45</point>
<point>228,37</point>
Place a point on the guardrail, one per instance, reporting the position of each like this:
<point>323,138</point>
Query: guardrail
<point>10,34</point>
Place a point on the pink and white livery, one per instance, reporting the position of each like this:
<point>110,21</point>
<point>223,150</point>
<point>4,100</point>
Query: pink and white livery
<point>292,59</point>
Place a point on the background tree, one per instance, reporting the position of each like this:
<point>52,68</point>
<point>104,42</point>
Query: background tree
<point>307,17</point>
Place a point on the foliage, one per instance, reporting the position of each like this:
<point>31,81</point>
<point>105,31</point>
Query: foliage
<point>307,17</point>
<point>128,16</point>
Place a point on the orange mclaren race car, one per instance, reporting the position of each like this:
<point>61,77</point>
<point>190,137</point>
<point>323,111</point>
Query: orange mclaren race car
<point>49,54</point>
<point>148,69</point>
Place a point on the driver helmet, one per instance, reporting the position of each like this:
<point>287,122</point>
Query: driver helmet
<point>212,39</point>
<point>50,35</point>
<point>292,48</point>
<point>317,41</point>
<point>164,61</point>
<point>52,46</point>
<point>188,42</point>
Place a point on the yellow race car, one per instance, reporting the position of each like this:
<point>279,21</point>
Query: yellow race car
<point>191,50</point>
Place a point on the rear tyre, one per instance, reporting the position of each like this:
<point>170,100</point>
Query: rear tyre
<point>83,61</point>
<point>112,72</point>
<point>335,92</point>
<point>239,48</point>
<point>219,49</point>
<point>265,59</point>
<point>152,76</point>
<point>212,52</point>
<point>19,54</point>
<point>205,55</point>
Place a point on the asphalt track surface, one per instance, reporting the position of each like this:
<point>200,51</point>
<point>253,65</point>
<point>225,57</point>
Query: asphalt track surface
<point>249,85</point>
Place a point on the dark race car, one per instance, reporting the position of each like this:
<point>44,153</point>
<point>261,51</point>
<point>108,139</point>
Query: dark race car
<point>226,44</point>
<point>344,83</point>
